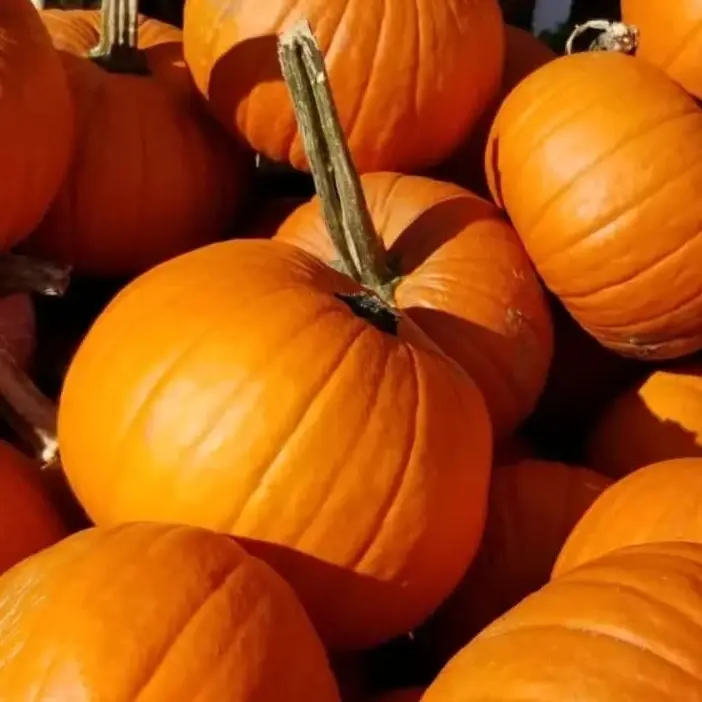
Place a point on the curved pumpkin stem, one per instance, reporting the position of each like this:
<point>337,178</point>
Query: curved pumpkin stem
<point>118,50</point>
<point>29,275</point>
<point>614,36</point>
<point>360,250</point>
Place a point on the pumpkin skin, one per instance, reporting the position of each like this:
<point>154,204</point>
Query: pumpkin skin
<point>35,154</point>
<point>453,51</point>
<point>668,38</point>
<point>655,503</point>
<point>28,520</point>
<point>155,612</point>
<point>155,175</point>
<point>533,506</point>
<point>589,187</point>
<point>624,627</point>
<point>279,431</point>
<point>465,280</point>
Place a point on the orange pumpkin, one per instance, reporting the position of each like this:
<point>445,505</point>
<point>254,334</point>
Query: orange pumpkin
<point>156,612</point>
<point>413,694</point>
<point>36,121</point>
<point>624,627</point>
<point>461,275</point>
<point>669,37</point>
<point>28,520</point>
<point>533,507</point>
<point>154,175</point>
<point>655,503</point>
<point>589,186</point>
<point>410,80</point>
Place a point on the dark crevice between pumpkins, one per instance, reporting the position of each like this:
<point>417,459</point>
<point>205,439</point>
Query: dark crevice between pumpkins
<point>361,254</point>
<point>118,50</point>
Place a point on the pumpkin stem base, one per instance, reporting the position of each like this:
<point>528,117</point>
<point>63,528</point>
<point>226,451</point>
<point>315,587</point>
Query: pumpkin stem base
<point>614,36</point>
<point>121,59</point>
<point>370,307</point>
<point>22,274</point>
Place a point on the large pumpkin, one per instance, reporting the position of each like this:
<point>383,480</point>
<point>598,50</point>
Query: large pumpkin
<point>657,419</point>
<point>656,503</point>
<point>155,612</point>
<point>669,37</point>
<point>532,508</point>
<point>461,274</point>
<point>154,175</point>
<point>592,156</point>
<point>28,520</point>
<point>410,80</point>
<point>624,627</point>
<point>36,121</point>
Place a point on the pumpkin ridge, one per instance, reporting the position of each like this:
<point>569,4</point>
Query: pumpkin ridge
<point>680,48</point>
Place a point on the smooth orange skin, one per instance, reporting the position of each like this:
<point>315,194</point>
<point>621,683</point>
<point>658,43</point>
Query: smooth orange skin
<point>657,419</point>
<point>154,176</point>
<point>230,388</point>
<point>532,509</point>
<point>669,37</point>
<point>28,520</point>
<point>593,156</point>
<point>409,79</point>
<point>37,125</point>
<point>656,503</point>
<point>413,694</point>
<point>465,280</point>
<point>157,613</point>
<point>625,627</point>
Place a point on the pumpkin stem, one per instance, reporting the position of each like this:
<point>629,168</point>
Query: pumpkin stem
<point>118,50</point>
<point>29,275</point>
<point>360,249</point>
<point>614,36</point>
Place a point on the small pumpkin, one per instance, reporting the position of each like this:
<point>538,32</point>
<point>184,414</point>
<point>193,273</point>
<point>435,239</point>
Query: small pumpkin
<point>37,125</point>
<point>658,418</point>
<point>655,503</point>
<point>589,186</point>
<point>410,81</point>
<point>532,509</point>
<point>623,627</point>
<point>262,393</point>
<point>156,612</point>
<point>153,175</point>
<point>28,520</point>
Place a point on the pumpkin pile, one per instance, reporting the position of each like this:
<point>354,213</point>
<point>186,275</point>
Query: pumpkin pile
<point>350,353</point>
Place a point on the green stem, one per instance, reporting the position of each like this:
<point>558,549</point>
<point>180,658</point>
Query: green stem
<point>118,50</point>
<point>360,249</point>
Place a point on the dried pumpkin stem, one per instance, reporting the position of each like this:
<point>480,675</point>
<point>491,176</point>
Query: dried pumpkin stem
<point>30,275</point>
<point>118,50</point>
<point>358,245</point>
<point>614,36</point>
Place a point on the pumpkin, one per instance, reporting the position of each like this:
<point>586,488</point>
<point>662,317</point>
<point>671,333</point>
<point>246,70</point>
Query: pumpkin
<point>461,274</point>
<point>36,125</point>
<point>155,612</point>
<point>413,694</point>
<point>657,419</point>
<point>623,627</point>
<point>669,38</point>
<point>532,508</point>
<point>589,185</point>
<point>410,80</point>
<point>655,503</point>
<point>262,393</point>
<point>153,176</point>
<point>28,520</point>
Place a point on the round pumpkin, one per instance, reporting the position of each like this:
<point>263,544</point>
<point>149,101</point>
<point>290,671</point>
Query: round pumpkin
<point>461,274</point>
<point>410,80</point>
<point>410,694</point>
<point>590,185</point>
<point>657,419</point>
<point>156,612</point>
<point>669,37</point>
<point>624,627</point>
<point>37,123</point>
<point>28,520</point>
<point>656,503</point>
<point>533,507</point>
<point>154,175</point>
